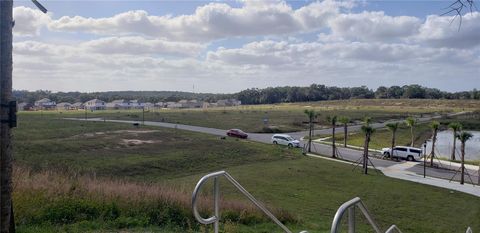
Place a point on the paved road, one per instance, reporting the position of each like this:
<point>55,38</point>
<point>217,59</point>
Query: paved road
<point>345,153</point>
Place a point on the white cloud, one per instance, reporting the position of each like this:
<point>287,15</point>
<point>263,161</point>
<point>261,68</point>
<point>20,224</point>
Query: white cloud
<point>441,31</point>
<point>374,26</point>
<point>28,21</point>
<point>210,22</point>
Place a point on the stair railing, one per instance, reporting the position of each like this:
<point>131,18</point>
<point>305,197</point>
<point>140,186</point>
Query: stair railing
<point>350,206</point>
<point>215,219</point>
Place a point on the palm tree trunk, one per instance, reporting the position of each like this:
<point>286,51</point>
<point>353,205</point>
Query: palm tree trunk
<point>310,137</point>
<point>462,178</point>
<point>432,154</point>
<point>454,144</point>
<point>365,153</point>
<point>6,20</point>
<point>333,141</point>
<point>345,135</point>
<point>411,134</point>
<point>393,144</point>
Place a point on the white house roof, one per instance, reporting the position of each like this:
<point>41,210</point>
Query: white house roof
<point>95,101</point>
<point>44,100</point>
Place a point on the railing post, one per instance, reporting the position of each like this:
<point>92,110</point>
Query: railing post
<point>216,196</point>
<point>351,219</point>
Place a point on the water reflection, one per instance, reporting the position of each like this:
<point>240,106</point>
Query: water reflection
<point>443,147</point>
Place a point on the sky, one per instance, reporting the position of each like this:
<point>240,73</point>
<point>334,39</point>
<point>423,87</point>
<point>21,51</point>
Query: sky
<point>228,46</point>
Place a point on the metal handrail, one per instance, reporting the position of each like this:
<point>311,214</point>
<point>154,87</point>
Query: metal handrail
<point>215,219</point>
<point>393,228</point>
<point>350,206</point>
<point>469,230</point>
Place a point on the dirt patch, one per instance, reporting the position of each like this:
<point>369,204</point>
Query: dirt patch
<point>137,142</point>
<point>130,132</point>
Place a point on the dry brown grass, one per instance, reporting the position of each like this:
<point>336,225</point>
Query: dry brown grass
<point>127,195</point>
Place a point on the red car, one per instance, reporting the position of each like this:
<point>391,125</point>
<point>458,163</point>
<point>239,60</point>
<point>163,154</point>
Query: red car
<point>237,133</point>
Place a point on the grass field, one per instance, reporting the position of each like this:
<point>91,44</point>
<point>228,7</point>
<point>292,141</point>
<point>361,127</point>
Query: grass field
<point>284,117</point>
<point>104,177</point>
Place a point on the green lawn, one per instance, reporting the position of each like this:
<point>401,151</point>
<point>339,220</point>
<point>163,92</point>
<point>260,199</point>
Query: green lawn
<point>84,177</point>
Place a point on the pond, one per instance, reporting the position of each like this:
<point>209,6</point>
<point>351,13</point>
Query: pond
<point>443,147</point>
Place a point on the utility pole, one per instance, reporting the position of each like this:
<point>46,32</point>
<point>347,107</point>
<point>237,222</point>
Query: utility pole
<point>8,118</point>
<point>6,115</point>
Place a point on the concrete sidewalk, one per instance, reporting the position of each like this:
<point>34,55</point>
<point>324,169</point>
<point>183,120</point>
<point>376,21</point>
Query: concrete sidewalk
<point>400,171</point>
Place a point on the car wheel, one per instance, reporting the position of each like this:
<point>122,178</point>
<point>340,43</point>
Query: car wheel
<point>290,145</point>
<point>410,158</point>
<point>386,154</point>
<point>275,142</point>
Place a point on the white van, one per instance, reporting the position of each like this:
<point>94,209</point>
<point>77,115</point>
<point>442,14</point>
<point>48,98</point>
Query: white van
<point>404,152</point>
<point>285,139</point>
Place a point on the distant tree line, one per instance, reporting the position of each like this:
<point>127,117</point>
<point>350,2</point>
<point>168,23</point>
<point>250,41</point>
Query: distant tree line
<point>270,95</point>
<point>317,92</point>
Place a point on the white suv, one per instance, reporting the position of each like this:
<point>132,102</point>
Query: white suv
<point>404,152</point>
<point>284,139</point>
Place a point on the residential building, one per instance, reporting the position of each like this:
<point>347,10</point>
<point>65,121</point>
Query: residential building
<point>45,104</point>
<point>78,106</point>
<point>64,106</point>
<point>95,104</point>
<point>118,104</point>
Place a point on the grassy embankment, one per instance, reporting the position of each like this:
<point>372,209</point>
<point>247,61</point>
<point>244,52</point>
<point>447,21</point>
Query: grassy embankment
<point>112,177</point>
<point>285,117</point>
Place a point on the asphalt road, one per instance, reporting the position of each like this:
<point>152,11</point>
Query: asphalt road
<point>317,148</point>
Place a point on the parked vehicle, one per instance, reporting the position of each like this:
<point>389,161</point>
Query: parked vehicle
<point>237,133</point>
<point>404,152</point>
<point>285,139</point>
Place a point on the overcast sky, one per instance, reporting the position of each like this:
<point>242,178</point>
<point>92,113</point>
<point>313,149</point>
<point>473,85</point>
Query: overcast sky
<point>228,46</point>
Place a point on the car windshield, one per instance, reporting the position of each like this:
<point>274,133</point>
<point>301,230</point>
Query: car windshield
<point>289,138</point>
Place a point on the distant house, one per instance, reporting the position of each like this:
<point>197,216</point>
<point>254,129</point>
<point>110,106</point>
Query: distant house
<point>149,106</point>
<point>136,104</point>
<point>228,102</point>
<point>78,106</point>
<point>45,104</point>
<point>161,104</point>
<point>64,106</point>
<point>118,104</point>
<point>95,104</point>
<point>25,106</point>
<point>173,105</point>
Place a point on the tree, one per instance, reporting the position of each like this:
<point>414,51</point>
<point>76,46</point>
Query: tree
<point>333,122</point>
<point>411,122</point>
<point>434,125</point>
<point>368,131</point>
<point>463,137</point>
<point>311,116</point>
<point>393,128</point>
<point>455,126</point>
<point>344,120</point>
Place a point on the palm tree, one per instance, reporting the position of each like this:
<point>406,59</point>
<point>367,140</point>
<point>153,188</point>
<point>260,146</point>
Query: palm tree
<point>434,125</point>
<point>344,120</point>
<point>411,122</point>
<point>463,137</point>
<point>368,131</point>
<point>333,121</point>
<point>455,126</point>
<point>311,116</point>
<point>393,128</point>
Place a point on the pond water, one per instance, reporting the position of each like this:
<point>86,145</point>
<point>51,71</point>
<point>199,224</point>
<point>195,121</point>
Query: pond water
<point>443,147</point>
